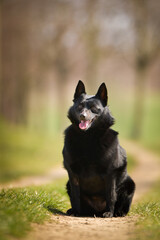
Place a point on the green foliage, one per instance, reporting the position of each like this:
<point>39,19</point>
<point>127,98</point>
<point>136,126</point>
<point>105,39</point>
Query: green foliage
<point>148,225</point>
<point>24,153</point>
<point>21,207</point>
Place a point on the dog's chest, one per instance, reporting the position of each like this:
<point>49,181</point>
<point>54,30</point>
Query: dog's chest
<point>89,164</point>
<point>90,173</point>
<point>87,149</point>
<point>88,157</point>
<point>91,177</point>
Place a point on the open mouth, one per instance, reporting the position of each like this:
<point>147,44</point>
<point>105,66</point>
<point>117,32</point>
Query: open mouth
<point>84,125</point>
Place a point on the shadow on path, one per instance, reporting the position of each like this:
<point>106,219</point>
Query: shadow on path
<point>55,211</point>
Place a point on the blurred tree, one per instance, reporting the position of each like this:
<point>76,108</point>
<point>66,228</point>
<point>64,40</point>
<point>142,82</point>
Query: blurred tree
<point>146,20</point>
<point>93,50</point>
<point>15,57</point>
<point>0,50</point>
<point>62,69</point>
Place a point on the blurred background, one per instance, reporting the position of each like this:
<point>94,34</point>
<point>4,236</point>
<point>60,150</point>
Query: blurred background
<point>47,46</point>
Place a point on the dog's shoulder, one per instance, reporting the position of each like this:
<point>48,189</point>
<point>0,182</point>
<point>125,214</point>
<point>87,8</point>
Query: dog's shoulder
<point>68,130</point>
<point>122,152</point>
<point>70,133</point>
<point>71,138</point>
<point>113,150</point>
<point>110,137</point>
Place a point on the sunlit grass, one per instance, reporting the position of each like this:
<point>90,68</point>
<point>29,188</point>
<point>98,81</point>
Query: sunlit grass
<point>148,210</point>
<point>21,207</point>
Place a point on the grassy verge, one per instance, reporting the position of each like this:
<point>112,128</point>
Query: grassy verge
<point>21,207</point>
<point>148,225</point>
<point>24,153</point>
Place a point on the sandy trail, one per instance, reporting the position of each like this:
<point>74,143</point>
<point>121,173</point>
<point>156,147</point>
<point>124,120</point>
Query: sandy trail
<point>71,228</point>
<point>53,174</point>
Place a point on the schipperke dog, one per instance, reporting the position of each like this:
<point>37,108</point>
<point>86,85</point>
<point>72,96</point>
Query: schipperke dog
<point>96,164</point>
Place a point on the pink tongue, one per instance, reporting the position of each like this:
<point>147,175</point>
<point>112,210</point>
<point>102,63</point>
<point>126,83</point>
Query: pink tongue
<point>83,124</point>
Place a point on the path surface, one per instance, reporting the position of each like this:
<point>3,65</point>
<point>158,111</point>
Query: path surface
<point>52,175</point>
<point>71,228</point>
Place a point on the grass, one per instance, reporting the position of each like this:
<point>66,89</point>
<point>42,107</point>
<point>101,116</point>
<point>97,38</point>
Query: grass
<point>21,207</point>
<point>25,153</point>
<point>148,210</point>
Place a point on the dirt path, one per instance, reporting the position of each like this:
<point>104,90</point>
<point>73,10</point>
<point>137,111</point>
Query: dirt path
<point>71,228</point>
<point>52,175</point>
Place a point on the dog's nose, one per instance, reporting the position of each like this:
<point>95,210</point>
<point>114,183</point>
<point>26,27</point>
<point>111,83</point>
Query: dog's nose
<point>83,115</point>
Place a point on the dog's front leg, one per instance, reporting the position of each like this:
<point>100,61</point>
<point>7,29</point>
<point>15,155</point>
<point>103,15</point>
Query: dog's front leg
<point>110,196</point>
<point>74,196</point>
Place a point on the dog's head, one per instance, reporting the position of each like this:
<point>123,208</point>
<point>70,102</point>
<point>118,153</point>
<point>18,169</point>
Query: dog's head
<point>88,111</point>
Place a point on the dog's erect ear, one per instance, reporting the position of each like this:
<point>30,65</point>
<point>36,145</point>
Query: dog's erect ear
<point>102,94</point>
<point>79,89</point>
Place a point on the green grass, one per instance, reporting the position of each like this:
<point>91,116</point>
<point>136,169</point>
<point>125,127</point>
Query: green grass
<point>21,207</point>
<point>24,153</point>
<point>148,210</point>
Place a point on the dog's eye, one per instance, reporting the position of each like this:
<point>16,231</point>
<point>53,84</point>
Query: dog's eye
<point>94,109</point>
<point>80,107</point>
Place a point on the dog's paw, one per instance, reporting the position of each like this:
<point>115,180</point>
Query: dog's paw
<point>120,214</point>
<point>72,212</point>
<point>108,215</point>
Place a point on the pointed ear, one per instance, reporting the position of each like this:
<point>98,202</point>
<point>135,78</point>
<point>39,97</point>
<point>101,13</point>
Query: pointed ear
<point>102,94</point>
<point>79,89</point>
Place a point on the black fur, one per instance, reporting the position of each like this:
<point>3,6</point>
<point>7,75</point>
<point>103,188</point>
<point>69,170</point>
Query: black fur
<point>96,163</point>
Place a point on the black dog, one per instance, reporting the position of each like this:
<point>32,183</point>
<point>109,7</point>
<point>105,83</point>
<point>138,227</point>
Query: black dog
<point>97,166</point>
